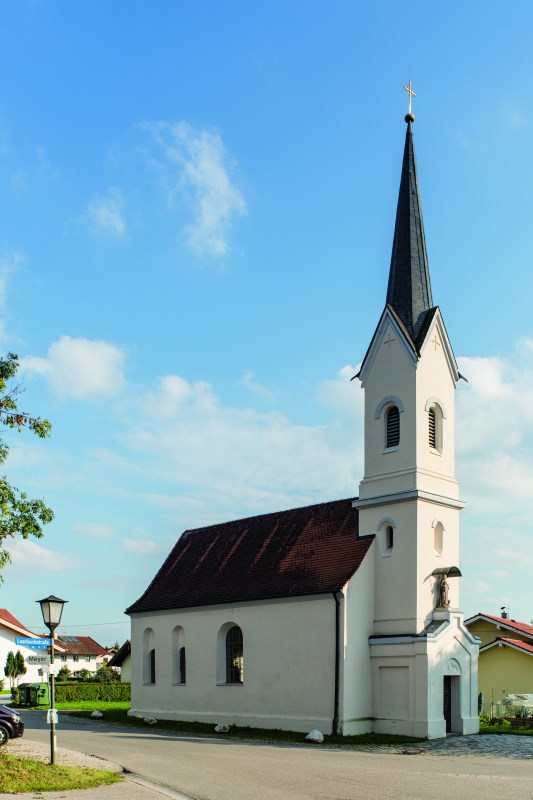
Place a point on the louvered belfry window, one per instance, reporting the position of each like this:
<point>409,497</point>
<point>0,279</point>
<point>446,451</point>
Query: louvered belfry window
<point>432,429</point>
<point>392,437</point>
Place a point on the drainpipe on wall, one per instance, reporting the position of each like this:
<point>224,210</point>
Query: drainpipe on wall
<point>335,724</point>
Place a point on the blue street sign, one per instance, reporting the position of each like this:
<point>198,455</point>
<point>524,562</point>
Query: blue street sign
<point>33,643</point>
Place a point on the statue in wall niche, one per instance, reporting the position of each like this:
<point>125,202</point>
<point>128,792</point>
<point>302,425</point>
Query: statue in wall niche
<point>443,601</point>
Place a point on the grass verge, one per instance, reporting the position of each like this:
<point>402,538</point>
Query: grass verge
<point>499,730</point>
<point>25,775</point>
<point>93,705</point>
<point>114,712</point>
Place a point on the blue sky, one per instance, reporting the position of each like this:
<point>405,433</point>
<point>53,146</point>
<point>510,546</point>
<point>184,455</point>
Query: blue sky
<point>197,205</point>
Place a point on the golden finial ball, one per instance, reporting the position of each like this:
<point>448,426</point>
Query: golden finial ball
<point>409,117</point>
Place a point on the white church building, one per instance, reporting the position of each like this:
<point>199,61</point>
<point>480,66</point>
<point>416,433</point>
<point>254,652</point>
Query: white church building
<point>342,616</point>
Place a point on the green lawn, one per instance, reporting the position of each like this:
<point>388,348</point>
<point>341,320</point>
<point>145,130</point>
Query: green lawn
<point>117,713</point>
<point>93,705</point>
<point>25,775</point>
<point>499,730</point>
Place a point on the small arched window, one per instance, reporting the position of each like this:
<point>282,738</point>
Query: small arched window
<point>234,656</point>
<point>432,428</point>
<point>436,415</point>
<point>438,538</point>
<point>178,655</point>
<point>151,656</point>
<point>182,668</point>
<point>392,427</point>
<point>148,656</point>
<point>389,537</point>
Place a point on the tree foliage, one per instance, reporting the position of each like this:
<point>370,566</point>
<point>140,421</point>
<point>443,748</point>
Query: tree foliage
<point>15,667</point>
<point>19,514</point>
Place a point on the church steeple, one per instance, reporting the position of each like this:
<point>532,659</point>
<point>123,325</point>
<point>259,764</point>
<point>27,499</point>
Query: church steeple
<point>409,289</point>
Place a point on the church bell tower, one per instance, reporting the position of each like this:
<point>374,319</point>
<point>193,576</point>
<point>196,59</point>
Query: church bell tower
<point>409,495</point>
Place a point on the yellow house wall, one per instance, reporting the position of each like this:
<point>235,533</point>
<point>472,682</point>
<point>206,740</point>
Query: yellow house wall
<point>503,671</point>
<point>488,631</point>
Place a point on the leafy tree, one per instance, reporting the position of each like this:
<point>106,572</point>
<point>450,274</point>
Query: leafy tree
<point>15,667</point>
<point>63,674</point>
<point>19,514</point>
<point>20,665</point>
<point>105,675</point>
<point>9,669</point>
<point>84,674</point>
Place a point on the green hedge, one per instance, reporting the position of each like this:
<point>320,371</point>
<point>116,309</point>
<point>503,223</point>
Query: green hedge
<point>106,692</point>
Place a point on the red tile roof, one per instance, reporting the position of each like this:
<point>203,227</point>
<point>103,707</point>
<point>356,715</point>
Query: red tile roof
<point>309,550</point>
<point>519,627</point>
<point>519,643</point>
<point>11,620</point>
<point>526,647</point>
<point>83,646</point>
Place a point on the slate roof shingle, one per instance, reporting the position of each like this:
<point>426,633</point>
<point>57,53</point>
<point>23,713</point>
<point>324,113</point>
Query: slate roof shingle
<point>310,550</point>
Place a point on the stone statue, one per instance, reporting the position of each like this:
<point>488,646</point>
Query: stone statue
<point>443,601</point>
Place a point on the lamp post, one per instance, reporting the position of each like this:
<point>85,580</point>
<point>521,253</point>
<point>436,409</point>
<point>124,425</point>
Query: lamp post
<point>52,608</point>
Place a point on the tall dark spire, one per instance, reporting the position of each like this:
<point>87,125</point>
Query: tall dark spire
<point>409,289</point>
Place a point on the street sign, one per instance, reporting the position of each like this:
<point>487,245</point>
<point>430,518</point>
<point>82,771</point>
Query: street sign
<point>37,659</point>
<point>52,716</point>
<point>33,643</point>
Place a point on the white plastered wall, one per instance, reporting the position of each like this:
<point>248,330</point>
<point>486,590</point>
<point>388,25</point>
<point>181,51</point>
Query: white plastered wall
<point>289,664</point>
<point>408,678</point>
<point>358,626</point>
<point>7,644</point>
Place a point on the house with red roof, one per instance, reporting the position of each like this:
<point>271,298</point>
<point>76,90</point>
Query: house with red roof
<point>80,652</point>
<point>11,629</point>
<point>505,658</point>
<point>344,615</point>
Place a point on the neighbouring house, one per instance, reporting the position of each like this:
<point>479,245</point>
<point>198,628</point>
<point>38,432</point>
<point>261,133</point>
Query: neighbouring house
<point>79,652</point>
<point>344,615</point>
<point>10,629</point>
<point>121,661</point>
<point>505,659</point>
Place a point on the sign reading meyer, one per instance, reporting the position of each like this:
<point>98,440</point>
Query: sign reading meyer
<point>37,659</point>
<point>33,643</point>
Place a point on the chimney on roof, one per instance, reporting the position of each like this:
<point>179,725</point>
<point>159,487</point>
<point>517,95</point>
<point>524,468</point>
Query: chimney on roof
<point>505,612</point>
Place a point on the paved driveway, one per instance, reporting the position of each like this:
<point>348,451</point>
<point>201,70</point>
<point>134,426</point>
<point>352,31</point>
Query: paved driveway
<point>214,769</point>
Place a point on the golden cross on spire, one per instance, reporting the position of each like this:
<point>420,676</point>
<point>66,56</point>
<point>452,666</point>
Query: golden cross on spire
<point>409,90</point>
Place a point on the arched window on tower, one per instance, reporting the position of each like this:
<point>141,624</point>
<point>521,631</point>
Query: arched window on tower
<point>435,418</point>
<point>392,427</point>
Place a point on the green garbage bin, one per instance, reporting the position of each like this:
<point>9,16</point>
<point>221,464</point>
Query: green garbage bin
<point>39,694</point>
<point>24,693</point>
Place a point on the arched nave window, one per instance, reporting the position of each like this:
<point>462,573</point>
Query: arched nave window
<point>234,655</point>
<point>148,656</point>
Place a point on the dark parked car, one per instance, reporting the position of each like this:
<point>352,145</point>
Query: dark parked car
<point>11,724</point>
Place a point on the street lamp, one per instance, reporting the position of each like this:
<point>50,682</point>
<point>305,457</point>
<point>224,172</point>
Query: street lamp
<point>52,608</point>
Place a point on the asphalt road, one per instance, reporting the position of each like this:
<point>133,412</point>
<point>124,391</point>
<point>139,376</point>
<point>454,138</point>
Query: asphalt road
<point>214,769</point>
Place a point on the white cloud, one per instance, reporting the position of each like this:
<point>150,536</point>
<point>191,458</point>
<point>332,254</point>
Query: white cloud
<point>256,388</point>
<point>142,546</point>
<point>197,170</point>
<point>106,214</point>
<point>228,460</point>
<point>31,557</point>
<point>80,367</point>
<point>94,530</point>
